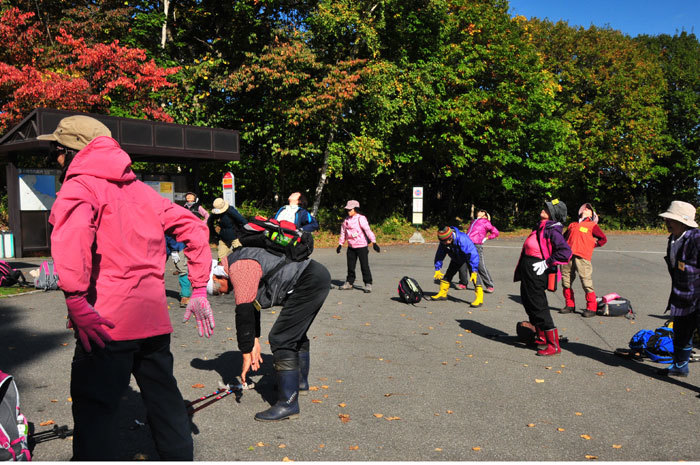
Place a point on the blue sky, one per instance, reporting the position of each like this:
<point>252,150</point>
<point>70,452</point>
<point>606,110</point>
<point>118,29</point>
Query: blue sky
<point>632,17</point>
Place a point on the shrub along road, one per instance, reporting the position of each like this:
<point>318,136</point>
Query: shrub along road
<point>435,381</point>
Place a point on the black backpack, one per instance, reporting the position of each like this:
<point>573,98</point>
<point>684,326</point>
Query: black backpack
<point>409,290</point>
<point>9,276</point>
<point>281,238</point>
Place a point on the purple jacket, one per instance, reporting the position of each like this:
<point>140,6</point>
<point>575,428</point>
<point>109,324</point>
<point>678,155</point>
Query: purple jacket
<point>555,249</point>
<point>480,229</point>
<point>685,275</point>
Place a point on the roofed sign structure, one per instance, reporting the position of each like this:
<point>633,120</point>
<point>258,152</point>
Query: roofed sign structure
<point>143,140</point>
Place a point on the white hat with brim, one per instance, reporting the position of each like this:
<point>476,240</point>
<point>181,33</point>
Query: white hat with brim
<point>77,131</point>
<point>683,212</point>
<point>220,206</point>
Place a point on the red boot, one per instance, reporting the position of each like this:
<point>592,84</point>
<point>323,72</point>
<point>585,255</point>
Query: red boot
<point>552,336</point>
<point>591,305</point>
<point>570,305</point>
<point>540,338</point>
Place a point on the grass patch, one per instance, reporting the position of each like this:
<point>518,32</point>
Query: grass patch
<point>15,290</point>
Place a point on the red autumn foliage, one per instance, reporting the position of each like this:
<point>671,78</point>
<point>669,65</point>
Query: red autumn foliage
<point>74,74</point>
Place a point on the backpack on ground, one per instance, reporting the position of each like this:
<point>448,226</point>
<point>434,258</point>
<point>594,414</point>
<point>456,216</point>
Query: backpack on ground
<point>281,238</point>
<point>614,305</point>
<point>47,279</point>
<point>14,428</point>
<point>409,290</point>
<point>655,345</point>
<point>9,276</point>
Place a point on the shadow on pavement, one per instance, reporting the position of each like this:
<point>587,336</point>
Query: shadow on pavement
<point>604,356</point>
<point>21,346</point>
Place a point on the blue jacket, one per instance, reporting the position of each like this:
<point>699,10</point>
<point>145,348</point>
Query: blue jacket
<point>302,219</point>
<point>171,245</point>
<point>461,250</point>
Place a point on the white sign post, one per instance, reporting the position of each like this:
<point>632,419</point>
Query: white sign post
<point>417,219</point>
<point>229,185</point>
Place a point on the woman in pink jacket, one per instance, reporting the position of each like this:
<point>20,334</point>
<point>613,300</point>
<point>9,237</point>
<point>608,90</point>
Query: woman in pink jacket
<point>108,246</point>
<point>355,229</point>
<point>479,232</point>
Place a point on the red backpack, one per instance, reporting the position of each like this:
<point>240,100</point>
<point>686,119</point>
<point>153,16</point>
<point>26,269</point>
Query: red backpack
<point>278,237</point>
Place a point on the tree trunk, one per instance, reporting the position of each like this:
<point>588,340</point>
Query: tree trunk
<point>324,174</point>
<point>164,30</point>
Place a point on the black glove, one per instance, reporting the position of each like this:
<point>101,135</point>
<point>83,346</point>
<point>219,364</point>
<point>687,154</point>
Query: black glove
<point>338,249</point>
<point>375,247</point>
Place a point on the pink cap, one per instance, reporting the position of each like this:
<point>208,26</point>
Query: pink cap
<point>352,204</point>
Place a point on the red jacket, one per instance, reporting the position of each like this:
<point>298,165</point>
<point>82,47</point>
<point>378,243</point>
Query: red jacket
<point>109,241</point>
<point>583,237</point>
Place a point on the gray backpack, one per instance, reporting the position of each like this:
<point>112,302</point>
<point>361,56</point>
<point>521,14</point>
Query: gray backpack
<point>48,279</point>
<point>14,428</point>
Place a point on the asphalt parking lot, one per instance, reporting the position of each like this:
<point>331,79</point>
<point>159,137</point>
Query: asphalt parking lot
<point>437,381</point>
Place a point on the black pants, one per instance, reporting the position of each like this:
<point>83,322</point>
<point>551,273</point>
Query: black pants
<point>363,254</point>
<point>288,333</point>
<point>683,328</point>
<point>533,295</point>
<point>100,378</point>
<point>464,270</point>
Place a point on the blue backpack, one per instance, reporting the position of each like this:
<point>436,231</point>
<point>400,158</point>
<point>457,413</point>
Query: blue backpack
<point>657,345</point>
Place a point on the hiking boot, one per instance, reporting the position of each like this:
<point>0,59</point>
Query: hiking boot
<point>489,290</point>
<point>567,309</point>
<point>587,314</point>
<point>368,288</point>
<point>461,286</point>
<point>680,371</point>
<point>184,301</point>
<point>346,286</point>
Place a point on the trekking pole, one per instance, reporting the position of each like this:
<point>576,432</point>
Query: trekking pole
<point>58,432</point>
<point>217,396</point>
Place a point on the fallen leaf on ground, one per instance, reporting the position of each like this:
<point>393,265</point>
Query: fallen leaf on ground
<point>476,448</point>
<point>530,425</point>
<point>547,368</point>
<point>558,372</point>
<point>282,446</point>
<point>70,399</point>
<point>342,404</point>
<point>392,418</point>
<point>287,459</point>
<point>198,386</point>
<point>344,417</point>
<point>586,437</point>
<point>468,330</point>
<point>444,363</point>
<point>561,429</point>
<point>313,388</point>
<point>437,449</point>
<point>260,444</point>
<point>354,447</point>
<point>47,423</point>
<point>54,400</point>
<point>329,334</point>
<point>578,414</point>
<point>539,380</point>
<point>617,446</point>
<point>600,373</point>
<point>317,401</point>
<point>324,387</point>
<point>337,317</point>
<point>378,415</point>
<point>450,412</point>
<point>338,380</point>
<point>368,324</point>
<point>591,457</point>
<point>323,379</point>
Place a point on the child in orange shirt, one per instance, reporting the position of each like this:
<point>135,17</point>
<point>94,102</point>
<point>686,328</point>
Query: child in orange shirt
<point>582,236</point>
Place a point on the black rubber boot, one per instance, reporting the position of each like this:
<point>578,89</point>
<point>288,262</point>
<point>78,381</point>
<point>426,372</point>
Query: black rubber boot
<point>287,406</point>
<point>304,362</point>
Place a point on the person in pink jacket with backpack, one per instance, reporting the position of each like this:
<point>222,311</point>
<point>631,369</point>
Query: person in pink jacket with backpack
<point>481,230</point>
<point>355,229</point>
<point>108,243</point>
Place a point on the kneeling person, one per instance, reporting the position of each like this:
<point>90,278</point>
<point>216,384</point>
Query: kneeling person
<point>261,279</point>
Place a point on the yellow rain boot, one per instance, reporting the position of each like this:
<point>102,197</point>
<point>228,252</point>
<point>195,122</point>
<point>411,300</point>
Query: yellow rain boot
<point>442,295</point>
<point>479,297</point>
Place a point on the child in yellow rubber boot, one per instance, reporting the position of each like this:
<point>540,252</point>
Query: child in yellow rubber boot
<point>461,250</point>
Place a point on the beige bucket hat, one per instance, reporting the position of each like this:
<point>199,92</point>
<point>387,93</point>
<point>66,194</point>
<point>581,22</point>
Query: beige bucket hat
<point>683,212</point>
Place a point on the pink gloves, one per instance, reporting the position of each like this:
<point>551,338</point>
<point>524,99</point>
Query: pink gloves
<point>199,305</point>
<point>87,322</point>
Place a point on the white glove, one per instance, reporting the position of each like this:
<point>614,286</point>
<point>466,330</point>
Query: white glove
<point>484,241</point>
<point>175,256</point>
<point>540,267</point>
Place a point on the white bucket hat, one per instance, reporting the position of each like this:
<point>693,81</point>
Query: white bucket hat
<point>683,212</point>
<point>220,206</point>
